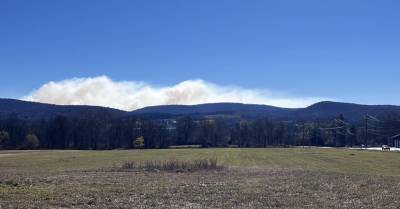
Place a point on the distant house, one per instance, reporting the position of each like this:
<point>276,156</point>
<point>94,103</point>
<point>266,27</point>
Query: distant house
<point>396,141</point>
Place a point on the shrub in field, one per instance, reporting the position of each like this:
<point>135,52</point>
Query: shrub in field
<point>173,165</point>
<point>128,165</point>
<point>213,162</point>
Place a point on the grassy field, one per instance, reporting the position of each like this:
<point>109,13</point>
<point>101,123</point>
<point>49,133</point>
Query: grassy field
<point>251,178</point>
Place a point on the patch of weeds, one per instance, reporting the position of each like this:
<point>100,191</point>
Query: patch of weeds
<point>172,165</point>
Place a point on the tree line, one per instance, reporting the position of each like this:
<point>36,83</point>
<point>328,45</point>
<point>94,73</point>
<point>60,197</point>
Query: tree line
<point>103,131</point>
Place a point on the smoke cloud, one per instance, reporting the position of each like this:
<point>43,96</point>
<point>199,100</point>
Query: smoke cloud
<point>131,95</point>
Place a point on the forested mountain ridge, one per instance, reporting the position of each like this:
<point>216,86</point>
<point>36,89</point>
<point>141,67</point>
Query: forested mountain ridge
<point>318,111</point>
<point>36,110</point>
<point>352,112</point>
<point>238,109</point>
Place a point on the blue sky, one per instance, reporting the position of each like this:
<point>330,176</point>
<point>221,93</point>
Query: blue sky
<point>347,50</point>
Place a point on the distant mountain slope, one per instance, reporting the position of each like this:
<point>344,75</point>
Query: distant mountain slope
<point>352,112</point>
<point>218,108</point>
<point>34,110</point>
<point>322,110</point>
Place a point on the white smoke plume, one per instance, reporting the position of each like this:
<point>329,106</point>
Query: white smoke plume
<point>131,95</point>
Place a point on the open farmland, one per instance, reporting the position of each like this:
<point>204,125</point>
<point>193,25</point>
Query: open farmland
<point>250,178</point>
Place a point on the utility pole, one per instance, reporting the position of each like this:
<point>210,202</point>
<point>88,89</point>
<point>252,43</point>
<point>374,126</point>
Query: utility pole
<point>366,132</point>
<point>303,135</point>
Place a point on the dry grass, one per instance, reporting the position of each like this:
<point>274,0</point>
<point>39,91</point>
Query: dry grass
<point>228,188</point>
<point>76,180</point>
